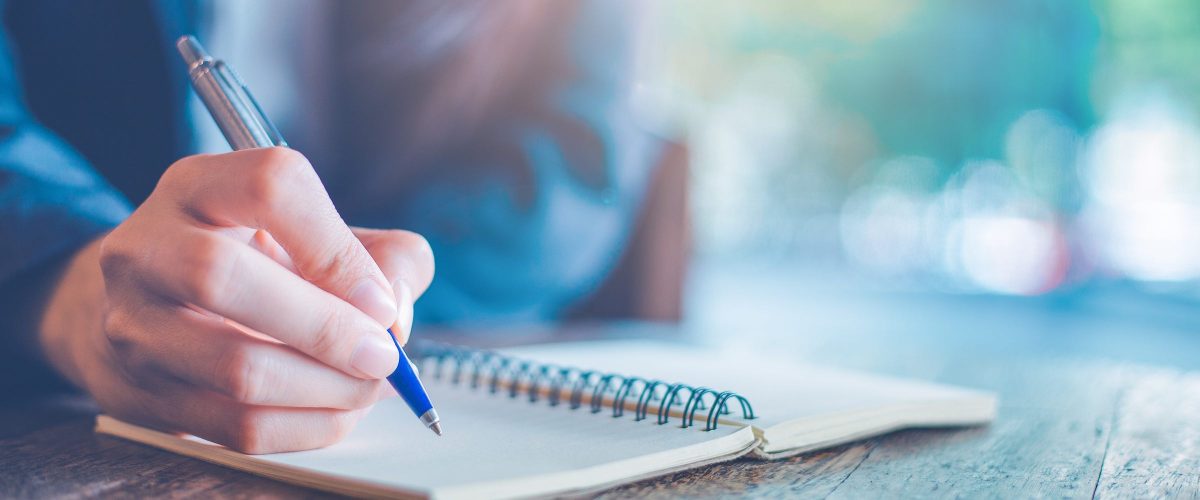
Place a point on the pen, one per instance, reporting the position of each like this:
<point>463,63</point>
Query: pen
<point>245,126</point>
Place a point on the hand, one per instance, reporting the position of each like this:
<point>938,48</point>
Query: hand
<point>236,305</point>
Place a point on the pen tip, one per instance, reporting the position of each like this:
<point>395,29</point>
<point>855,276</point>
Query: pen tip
<point>436,427</point>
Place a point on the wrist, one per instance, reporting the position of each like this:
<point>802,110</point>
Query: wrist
<point>73,314</point>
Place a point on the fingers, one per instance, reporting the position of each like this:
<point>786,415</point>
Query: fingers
<point>217,274</point>
<point>407,261</point>
<point>265,243</point>
<point>275,189</point>
<point>242,309</point>
<point>205,351</point>
<point>401,255</point>
<point>245,428</point>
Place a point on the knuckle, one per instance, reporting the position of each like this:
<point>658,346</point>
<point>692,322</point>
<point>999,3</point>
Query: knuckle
<point>181,175</point>
<point>325,340</point>
<point>247,432</point>
<point>277,172</point>
<point>286,158</point>
<point>209,270</point>
<point>337,264</point>
<point>242,377</point>
<point>264,191</point>
<point>365,394</point>
<point>342,422</point>
<point>115,322</point>
<point>121,333</point>
<point>118,328</point>
<point>114,259</point>
<point>178,172</point>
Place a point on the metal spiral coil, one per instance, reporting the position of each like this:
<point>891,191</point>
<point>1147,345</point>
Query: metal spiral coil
<point>517,377</point>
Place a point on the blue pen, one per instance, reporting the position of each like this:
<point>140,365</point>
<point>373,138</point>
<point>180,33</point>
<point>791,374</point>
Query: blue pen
<point>405,380</point>
<point>245,126</point>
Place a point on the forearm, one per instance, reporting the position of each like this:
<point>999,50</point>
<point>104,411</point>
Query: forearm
<point>51,206</point>
<point>23,296</point>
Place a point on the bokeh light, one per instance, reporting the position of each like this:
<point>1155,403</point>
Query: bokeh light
<point>1143,177</point>
<point>1019,147</point>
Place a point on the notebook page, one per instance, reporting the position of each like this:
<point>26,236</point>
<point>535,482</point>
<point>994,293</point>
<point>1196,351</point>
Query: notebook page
<point>498,446</point>
<point>780,391</point>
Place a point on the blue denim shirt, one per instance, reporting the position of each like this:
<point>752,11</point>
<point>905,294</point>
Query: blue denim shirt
<point>93,109</point>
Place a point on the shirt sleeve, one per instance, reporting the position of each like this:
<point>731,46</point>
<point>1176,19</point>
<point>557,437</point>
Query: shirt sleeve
<point>544,218</point>
<point>51,203</point>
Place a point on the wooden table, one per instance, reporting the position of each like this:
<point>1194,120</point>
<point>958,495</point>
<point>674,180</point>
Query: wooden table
<point>1096,400</point>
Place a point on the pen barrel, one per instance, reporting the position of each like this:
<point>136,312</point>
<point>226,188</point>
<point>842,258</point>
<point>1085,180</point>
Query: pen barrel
<point>236,114</point>
<point>240,118</point>
<point>245,126</point>
<point>406,382</point>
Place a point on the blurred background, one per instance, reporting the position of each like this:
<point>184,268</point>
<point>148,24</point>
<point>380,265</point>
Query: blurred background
<point>1016,163</point>
<point>1022,147</point>
<point>1025,169</point>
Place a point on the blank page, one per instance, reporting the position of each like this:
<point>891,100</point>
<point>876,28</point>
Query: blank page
<point>493,446</point>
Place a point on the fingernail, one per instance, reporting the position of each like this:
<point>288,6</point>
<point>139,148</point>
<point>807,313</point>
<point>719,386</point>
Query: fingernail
<point>404,315</point>
<point>369,297</point>
<point>375,356</point>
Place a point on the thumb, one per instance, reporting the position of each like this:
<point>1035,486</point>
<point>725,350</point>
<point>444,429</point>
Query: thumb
<point>407,263</point>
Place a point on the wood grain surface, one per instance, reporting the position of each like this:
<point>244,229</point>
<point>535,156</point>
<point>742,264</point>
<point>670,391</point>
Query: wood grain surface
<point>1070,426</point>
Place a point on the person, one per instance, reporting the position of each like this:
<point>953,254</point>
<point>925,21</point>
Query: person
<point>243,297</point>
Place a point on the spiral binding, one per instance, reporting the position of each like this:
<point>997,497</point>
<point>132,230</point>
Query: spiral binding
<point>522,378</point>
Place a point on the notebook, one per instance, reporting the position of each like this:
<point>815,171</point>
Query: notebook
<point>570,418</point>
